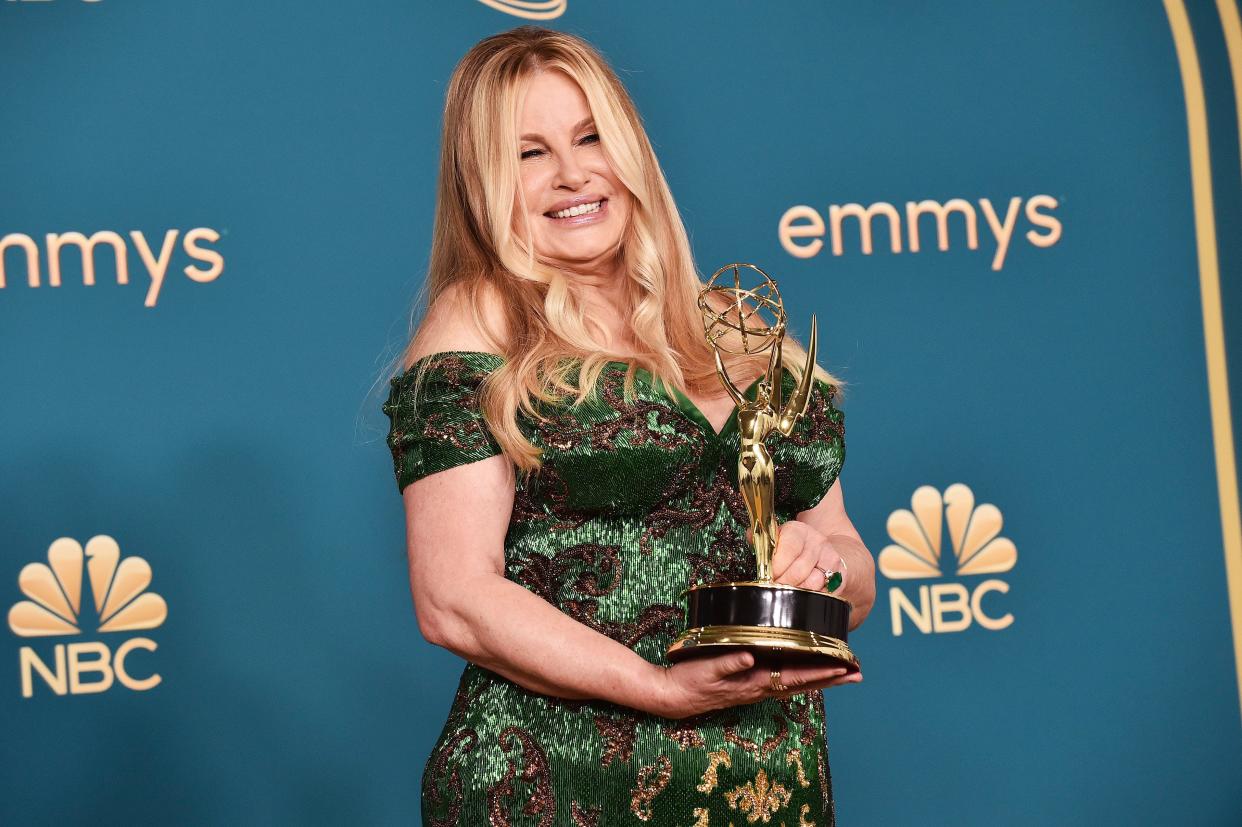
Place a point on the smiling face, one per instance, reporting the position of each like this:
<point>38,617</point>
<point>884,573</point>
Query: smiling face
<point>576,206</point>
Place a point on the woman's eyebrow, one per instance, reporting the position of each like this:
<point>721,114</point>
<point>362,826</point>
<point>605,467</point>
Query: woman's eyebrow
<point>535,136</point>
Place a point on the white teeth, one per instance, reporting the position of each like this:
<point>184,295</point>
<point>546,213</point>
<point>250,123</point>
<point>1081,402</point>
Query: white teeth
<point>578,210</point>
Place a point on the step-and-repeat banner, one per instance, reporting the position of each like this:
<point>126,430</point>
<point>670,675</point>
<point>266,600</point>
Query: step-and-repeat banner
<point>1018,224</point>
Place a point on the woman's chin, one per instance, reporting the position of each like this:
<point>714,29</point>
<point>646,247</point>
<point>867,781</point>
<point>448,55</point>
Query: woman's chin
<point>591,255</point>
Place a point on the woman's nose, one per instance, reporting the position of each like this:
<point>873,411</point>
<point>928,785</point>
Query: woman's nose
<point>570,173</point>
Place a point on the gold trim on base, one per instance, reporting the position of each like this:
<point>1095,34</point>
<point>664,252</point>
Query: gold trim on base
<point>773,639</point>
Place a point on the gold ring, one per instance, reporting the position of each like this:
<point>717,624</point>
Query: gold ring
<point>775,680</point>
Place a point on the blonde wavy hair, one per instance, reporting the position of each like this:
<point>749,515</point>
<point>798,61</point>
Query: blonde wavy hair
<point>550,353</point>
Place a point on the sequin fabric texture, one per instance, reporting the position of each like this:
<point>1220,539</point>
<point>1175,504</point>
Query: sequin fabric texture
<point>637,500</point>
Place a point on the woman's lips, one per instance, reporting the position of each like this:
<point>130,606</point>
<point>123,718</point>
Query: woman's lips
<point>585,218</point>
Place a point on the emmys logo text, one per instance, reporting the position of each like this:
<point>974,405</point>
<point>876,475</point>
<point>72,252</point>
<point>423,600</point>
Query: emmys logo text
<point>121,604</point>
<point>801,229</point>
<point>156,265</point>
<point>977,548</point>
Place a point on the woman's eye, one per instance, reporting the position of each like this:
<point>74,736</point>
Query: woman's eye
<point>535,153</point>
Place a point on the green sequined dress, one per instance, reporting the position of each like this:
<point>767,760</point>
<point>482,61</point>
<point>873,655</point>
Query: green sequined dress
<point>636,500</point>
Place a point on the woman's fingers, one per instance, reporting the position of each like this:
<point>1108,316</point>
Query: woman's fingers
<point>802,567</point>
<point>799,676</point>
<point>827,684</point>
<point>798,552</point>
<point>733,663</point>
<point>816,580</point>
<point>790,542</point>
<point>854,678</point>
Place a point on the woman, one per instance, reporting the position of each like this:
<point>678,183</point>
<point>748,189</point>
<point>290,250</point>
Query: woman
<point>567,459</point>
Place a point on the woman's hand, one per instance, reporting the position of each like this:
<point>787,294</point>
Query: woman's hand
<point>702,684</point>
<point>802,556</point>
<point>826,532</point>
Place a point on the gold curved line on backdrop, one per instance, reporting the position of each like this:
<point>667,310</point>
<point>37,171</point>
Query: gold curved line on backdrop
<point>529,9</point>
<point>1213,324</point>
<point>1232,25</point>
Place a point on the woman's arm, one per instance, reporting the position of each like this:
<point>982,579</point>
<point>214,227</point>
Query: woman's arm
<point>815,538</point>
<point>456,521</point>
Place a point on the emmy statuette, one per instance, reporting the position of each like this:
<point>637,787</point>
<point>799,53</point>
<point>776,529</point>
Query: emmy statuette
<point>778,622</point>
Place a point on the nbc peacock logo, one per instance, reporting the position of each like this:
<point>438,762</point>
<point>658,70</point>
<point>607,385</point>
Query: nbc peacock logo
<point>977,549</point>
<point>121,603</point>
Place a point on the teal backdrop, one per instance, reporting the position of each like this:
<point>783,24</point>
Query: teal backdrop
<point>224,426</point>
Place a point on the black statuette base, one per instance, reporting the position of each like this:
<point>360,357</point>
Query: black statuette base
<point>778,623</point>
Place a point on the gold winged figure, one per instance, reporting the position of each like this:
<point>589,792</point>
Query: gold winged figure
<point>756,472</point>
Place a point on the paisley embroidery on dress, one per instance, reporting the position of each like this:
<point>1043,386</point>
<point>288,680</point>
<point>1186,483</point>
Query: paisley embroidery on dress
<point>575,577</point>
<point>548,494</point>
<point>542,503</point>
<point>542,800</point>
<point>716,759</point>
<point>665,516</point>
<point>798,710</point>
<point>651,782</point>
<point>726,560</point>
<point>759,751</point>
<point>584,816</point>
<point>686,733</point>
<point>794,757</point>
<point>698,514</point>
<point>586,569</point>
<point>443,426</point>
<point>440,424</point>
<point>618,735</point>
<point>442,788</point>
<point>657,620</point>
<point>642,422</point>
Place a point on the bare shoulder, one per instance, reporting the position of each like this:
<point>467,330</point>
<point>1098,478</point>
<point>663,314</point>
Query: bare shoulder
<point>457,320</point>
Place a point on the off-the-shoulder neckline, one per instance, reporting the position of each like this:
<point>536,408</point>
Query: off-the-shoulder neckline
<point>499,357</point>
<point>685,403</point>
